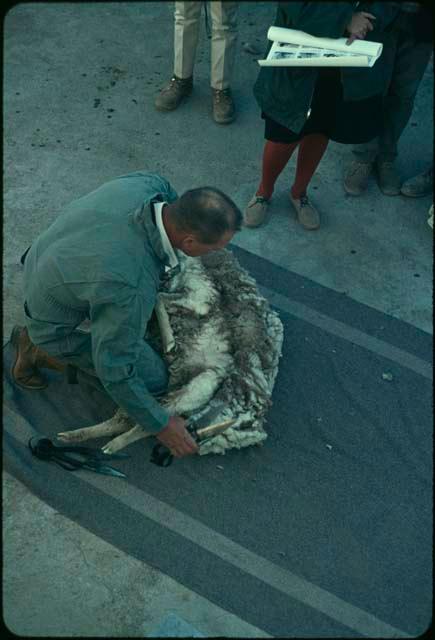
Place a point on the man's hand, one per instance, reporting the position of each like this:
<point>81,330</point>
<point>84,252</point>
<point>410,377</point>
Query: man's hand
<point>177,439</point>
<point>359,26</point>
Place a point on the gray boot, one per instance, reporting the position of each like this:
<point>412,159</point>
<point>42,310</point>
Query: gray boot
<point>388,178</point>
<point>357,176</point>
<point>173,93</point>
<point>418,186</point>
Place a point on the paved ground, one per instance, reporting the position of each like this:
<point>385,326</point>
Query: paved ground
<point>79,81</point>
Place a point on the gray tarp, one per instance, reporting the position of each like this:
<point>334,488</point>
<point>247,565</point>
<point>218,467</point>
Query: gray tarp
<point>340,494</point>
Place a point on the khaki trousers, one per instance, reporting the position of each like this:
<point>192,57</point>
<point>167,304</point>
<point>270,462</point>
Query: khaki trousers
<point>223,40</point>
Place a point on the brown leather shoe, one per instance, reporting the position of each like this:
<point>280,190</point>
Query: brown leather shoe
<point>29,358</point>
<point>224,110</point>
<point>171,96</point>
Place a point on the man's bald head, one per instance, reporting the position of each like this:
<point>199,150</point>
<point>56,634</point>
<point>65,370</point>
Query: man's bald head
<point>207,213</point>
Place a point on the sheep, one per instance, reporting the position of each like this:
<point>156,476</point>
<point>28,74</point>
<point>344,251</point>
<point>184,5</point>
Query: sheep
<point>222,343</point>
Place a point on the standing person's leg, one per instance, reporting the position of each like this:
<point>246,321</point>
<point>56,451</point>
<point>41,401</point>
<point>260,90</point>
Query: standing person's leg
<point>186,33</point>
<point>410,64</point>
<point>275,158</point>
<point>311,150</point>
<point>223,51</point>
<point>360,168</point>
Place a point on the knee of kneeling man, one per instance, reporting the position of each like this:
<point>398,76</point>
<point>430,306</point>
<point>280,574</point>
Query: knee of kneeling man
<point>159,381</point>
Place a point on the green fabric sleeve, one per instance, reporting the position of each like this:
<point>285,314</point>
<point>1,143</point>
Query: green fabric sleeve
<point>118,327</point>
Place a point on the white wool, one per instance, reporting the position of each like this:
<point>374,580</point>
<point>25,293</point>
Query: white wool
<point>206,347</point>
<point>209,348</point>
<point>193,395</point>
<point>197,291</point>
<point>232,439</point>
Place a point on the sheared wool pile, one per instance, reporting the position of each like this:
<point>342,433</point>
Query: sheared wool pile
<point>227,345</point>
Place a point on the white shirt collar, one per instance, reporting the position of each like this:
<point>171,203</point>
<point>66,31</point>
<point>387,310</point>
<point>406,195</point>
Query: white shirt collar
<point>168,248</point>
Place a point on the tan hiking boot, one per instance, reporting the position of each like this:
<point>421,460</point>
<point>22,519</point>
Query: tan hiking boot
<point>418,186</point>
<point>173,93</point>
<point>29,358</point>
<point>357,177</point>
<point>388,178</point>
<point>256,211</point>
<point>223,106</point>
<point>307,214</point>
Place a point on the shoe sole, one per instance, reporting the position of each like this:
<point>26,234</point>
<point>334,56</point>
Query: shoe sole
<point>415,195</point>
<point>258,224</point>
<point>227,121</point>
<point>14,341</point>
<point>351,192</point>
<point>161,108</point>
<point>389,193</point>
<point>308,228</point>
<point>168,108</point>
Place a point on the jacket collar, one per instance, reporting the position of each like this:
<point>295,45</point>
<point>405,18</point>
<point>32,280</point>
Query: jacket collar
<point>143,219</point>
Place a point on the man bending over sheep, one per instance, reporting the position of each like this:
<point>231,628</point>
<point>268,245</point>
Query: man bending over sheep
<point>102,260</point>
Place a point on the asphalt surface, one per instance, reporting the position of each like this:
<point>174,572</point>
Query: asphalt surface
<point>326,529</point>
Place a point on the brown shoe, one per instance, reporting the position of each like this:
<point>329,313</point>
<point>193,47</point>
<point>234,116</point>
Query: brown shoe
<point>256,211</point>
<point>357,176</point>
<point>388,178</point>
<point>173,93</point>
<point>29,358</point>
<point>223,106</point>
<point>307,215</point>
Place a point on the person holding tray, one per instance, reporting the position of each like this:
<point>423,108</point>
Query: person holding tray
<point>409,52</point>
<point>306,107</point>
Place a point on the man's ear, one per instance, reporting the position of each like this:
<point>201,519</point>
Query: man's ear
<point>187,243</point>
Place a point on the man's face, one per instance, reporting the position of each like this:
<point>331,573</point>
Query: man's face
<point>194,248</point>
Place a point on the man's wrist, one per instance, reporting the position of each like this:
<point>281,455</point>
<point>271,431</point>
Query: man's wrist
<point>165,426</point>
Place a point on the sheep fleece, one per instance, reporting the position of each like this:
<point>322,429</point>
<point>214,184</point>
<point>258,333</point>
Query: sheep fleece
<point>228,342</point>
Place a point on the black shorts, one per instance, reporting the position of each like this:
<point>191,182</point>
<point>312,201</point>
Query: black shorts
<point>351,122</point>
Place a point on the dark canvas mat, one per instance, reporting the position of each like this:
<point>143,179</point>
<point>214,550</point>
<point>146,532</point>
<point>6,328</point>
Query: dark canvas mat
<point>340,494</point>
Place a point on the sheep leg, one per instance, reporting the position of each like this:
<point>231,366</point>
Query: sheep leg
<point>108,428</point>
<point>125,439</point>
<point>164,325</point>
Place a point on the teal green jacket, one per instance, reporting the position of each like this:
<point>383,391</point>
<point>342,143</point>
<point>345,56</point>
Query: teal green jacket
<point>102,259</point>
<point>285,93</point>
